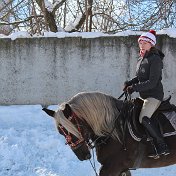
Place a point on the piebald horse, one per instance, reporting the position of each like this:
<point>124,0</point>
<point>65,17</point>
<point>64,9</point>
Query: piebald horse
<point>91,119</point>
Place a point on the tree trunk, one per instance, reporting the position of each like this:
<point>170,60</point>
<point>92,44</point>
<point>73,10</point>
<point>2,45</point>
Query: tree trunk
<point>49,17</point>
<point>90,2</point>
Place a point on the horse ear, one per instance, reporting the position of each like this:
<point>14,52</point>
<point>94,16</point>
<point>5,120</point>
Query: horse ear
<point>49,112</point>
<point>67,111</point>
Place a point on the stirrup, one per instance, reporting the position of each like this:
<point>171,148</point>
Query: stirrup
<point>167,153</point>
<point>157,155</point>
<point>154,156</point>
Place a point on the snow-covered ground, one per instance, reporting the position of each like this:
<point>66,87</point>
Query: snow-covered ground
<point>31,146</point>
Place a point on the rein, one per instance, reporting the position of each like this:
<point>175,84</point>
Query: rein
<point>123,127</point>
<point>103,141</point>
<point>93,164</point>
<point>94,143</point>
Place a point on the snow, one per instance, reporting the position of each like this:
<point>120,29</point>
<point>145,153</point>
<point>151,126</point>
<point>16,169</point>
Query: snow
<point>48,5</point>
<point>19,34</point>
<point>168,31</point>
<point>51,5</point>
<point>50,34</point>
<point>72,25</point>
<point>128,33</point>
<point>31,146</point>
<point>171,32</point>
<point>29,142</point>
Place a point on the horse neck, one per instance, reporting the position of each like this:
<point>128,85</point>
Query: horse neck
<point>119,104</point>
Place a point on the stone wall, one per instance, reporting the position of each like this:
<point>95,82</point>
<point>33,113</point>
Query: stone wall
<point>51,70</point>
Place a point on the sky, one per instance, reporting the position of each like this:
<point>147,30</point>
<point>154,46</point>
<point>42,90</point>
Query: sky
<point>31,146</point>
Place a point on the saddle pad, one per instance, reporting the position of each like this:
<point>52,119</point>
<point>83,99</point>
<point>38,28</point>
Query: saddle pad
<point>171,116</point>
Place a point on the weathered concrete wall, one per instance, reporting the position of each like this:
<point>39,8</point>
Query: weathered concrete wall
<point>51,70</point>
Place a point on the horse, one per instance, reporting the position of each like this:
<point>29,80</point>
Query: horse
<point>92,119</point>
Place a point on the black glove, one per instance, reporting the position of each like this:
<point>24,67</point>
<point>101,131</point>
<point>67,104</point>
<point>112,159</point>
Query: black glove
<point>130,89</point>
<point>125,85</point>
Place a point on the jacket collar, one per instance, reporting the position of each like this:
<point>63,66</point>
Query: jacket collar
<point>154,51</point>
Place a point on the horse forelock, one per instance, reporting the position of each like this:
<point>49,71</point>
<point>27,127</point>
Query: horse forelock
<point>61,119</point>
<point>98,110</point>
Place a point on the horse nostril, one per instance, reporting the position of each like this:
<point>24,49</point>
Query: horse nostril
<point>88,156</point>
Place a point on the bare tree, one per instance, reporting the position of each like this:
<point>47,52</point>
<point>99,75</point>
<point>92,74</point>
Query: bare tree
<point>5,15</point>
<point>110,16</point>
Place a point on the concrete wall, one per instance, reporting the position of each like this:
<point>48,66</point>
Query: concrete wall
<point>51,70</point>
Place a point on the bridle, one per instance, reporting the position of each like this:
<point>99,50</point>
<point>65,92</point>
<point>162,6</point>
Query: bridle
<point>74,145</point>
<point>91,144</point>
<point>98,140</point>
<point>68,136</point>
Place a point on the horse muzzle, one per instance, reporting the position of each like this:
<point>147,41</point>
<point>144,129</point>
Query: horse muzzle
<point>82,152</point>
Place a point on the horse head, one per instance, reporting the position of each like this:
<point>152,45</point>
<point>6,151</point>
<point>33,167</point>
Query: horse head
<point>73,129</point>
<point>85,119</point>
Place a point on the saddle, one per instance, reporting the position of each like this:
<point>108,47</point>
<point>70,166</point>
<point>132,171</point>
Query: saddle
<point>164,117</point>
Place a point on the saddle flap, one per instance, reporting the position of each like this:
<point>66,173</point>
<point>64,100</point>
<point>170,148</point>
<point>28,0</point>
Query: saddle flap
<point>136,127</point>
<point>165,105</point>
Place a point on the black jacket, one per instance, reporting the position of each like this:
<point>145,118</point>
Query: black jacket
<point>149,75</point>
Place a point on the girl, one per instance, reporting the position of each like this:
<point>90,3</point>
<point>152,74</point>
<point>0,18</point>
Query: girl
<point>148,83</point>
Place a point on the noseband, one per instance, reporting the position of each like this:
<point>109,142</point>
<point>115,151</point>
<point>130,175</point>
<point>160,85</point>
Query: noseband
<point>68,136</point>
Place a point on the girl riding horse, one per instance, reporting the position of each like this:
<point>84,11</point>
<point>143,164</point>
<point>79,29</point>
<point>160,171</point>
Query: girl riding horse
<point>148,83</point>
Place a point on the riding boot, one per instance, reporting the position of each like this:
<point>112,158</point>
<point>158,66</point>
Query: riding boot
<point>161,147</point>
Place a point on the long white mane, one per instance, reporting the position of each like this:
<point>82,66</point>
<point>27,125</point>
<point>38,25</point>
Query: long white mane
<point>97,109</point>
